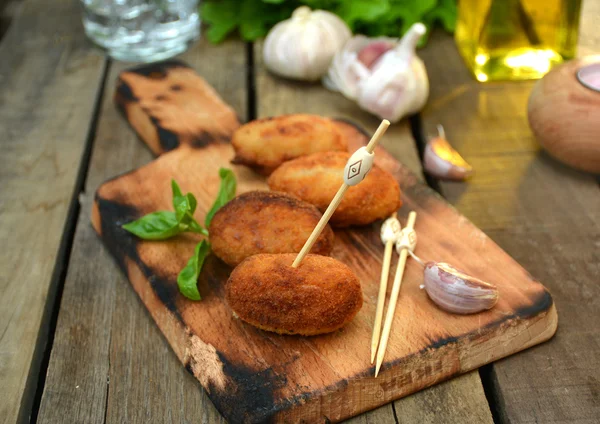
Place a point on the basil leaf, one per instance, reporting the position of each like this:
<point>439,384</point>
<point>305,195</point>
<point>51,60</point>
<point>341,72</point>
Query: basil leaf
<point>187,280</point>
<point>226,193</point>
<point>194,227</point>
<point>155,226</point>
<point>183,204</point>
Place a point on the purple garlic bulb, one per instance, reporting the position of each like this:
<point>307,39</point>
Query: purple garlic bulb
<point>457,292</point>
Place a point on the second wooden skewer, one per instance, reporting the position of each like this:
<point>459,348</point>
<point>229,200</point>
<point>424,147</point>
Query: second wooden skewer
<point>389,318</point>
<point>389,234</point>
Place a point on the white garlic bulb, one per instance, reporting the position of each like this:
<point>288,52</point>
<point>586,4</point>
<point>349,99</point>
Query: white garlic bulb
<point>302,47</point>
<point>384,76</point>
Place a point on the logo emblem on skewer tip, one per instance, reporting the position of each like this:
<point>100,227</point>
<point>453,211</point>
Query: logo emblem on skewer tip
<point>354,169</point>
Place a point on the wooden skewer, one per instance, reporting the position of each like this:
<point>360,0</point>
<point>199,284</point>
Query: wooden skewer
<point>389,318</point>
<point>385,273</point>
<point>337,199</point>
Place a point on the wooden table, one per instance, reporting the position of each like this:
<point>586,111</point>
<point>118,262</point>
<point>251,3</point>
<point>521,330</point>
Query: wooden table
<point>76,344</point>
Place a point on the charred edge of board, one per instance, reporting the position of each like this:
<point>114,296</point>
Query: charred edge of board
<point>167,139</point>
<point>124,94</point>
<point>214,272</point>
<point>543,303</point>
<point>249,395</point>
<point>205,138</point>
<point>540,305</point>
<point>156,70</point>
<point>123,244</point>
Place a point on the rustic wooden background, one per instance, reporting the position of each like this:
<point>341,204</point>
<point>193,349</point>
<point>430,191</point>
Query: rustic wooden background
<point>76,344</point>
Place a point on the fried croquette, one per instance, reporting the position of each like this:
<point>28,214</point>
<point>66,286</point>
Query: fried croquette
<point>265,222</point>
<point>316,179</point>
<point>320,296</point>
<point>264,144</point>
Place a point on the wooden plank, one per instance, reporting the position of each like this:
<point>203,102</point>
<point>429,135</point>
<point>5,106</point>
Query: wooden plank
<point>104,333</point>
<point>48,86</point>
<point>544,215</point>
<point>277,96</point>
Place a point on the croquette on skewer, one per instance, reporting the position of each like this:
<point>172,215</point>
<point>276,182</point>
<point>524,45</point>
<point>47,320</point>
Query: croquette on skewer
<point>317,177</point>
<point>320,296</point>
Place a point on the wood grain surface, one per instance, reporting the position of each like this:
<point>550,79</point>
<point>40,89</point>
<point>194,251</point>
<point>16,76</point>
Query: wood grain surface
<point>109,362</point>
<point>49,81</point>
<point>327,377</point>
<point>543,214</point>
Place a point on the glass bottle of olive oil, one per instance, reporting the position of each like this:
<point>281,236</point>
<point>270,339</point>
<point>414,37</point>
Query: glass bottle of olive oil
<point>516,39</point>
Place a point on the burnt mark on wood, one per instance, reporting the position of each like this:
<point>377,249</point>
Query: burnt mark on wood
<point>124,93</point>
<point>168,139</point>
<point>441,342</point>
<point>205,138</point>
<point>543,303</point>
<point>249,395</point>
<point>123,245</point>
<point>157,70</point>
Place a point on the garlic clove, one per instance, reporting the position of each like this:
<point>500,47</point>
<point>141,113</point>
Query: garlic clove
<point>370,54</point>
<point>346,70</point>
<point>303,46</point>
<point>456,291</point>
<point>442,161</point>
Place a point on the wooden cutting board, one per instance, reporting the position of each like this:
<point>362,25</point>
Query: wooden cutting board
<point>256,376</point>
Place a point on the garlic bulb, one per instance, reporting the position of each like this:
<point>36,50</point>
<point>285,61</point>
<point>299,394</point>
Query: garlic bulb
<point>455,291</point>
<point>302,47</point>
<point>442,161</point>
<point>384,76</point>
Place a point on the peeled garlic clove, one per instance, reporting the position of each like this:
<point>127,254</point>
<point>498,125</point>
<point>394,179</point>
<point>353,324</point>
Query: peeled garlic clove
<point>302,47</point>
<point>442,161</point>
<point>457,292</point>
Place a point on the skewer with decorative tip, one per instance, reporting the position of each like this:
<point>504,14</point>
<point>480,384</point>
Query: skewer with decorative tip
<point>357,168</point>
<point>407,241</point>
<point>390,232</point>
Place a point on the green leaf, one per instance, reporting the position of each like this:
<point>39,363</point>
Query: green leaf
<point>180,202</point>
<point>185,206</point>
<point>187,280</point>
<point>257,17</point>
<point>222,17</point>
<point>445,12</point>
<point>194,227</point>
<point>227,191</point>
<point>363,10</point>
<point>155,226</point>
